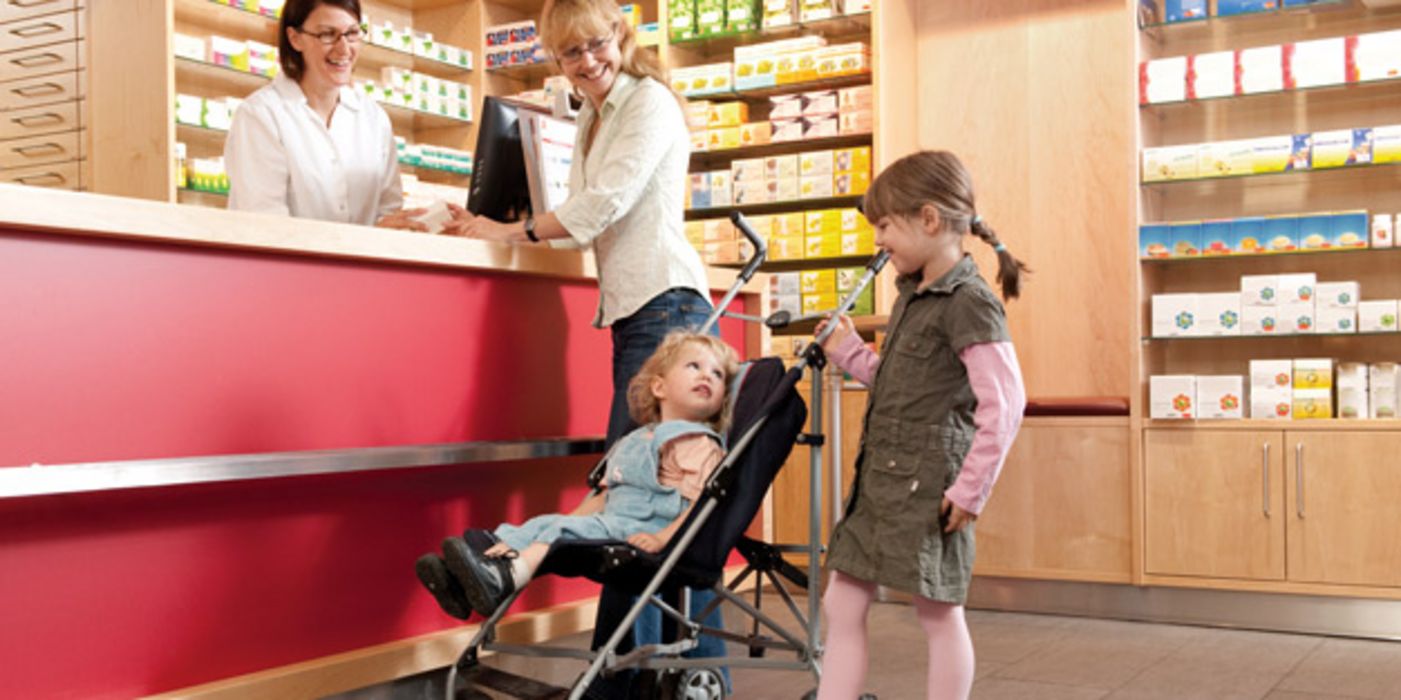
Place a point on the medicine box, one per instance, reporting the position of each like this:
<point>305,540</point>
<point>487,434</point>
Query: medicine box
<point>1386,144</point>
<point>1349,230</point>
<point>1313,404</point>
<point>1211,75</point>
<point>1218,314</point>
<point>1186,239</point>
<point>1377,316</point>
<point>1375,56</point>
<point>1216,237</point>
<point>1337,295</point>
<point>1259,320</point>
<point>1313,374</point>
<point>1184,10</point>
<point>1317,63</point>
<point>1296,318</point>
<point>1174,315</point>
<point>1172,396</point>
<point>1271,404</point>
<point>1163,80</point>
<point>1260,69</point>
<point>1281,234</point>
<point>1383,231</point>
<point>1352,390</point>
<point>1333,320</point>
<point>1382,379</point>
<point>1297,287</point>
<point>1248,235</point>
<point>1220,396</point>
<point>1154,241</point>
<point>1226,8</point>
<point>1259,290</point>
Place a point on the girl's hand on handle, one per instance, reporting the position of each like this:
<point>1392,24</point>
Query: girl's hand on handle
<point>844,327</point>
<point>954,516</point>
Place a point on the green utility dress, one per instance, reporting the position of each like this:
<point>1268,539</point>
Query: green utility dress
<point>916,432</point>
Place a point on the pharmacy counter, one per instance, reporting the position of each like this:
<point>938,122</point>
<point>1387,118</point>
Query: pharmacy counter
<point>158,335</point>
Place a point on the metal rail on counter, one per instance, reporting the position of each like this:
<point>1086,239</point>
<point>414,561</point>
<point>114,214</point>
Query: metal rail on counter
<point>55,479</point>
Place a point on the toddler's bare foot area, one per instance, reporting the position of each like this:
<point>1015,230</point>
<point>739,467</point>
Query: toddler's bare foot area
<point>501,549</point>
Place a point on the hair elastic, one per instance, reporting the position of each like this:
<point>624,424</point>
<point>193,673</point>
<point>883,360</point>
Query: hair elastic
<point>977,219</point>
<point>1000,248</point>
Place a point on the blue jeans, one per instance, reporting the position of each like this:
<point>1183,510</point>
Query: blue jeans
<point>635,338</point>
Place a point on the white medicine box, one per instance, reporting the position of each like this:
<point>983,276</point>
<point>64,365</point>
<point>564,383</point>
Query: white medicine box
<point>1382,378</point>
<point>1296,317</point>
<point>1220,396</point>
<point>1218,314</point>
<point>1271,374</point>
<point>1297,287</point>
<point>1174,315</point>
<point>1336,295</point>
<point>1172,396</point>
<point>1352,390</point>
<point>1335,320</point>
<point>1259,290</point>
<point>1259,320</point>
<point>1377,316</point>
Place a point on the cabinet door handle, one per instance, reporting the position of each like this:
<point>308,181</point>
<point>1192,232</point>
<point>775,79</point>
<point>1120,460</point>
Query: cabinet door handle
<point>35,120</point>
<point>38,150</point>
<point>1265,477</point>
<point>41,179</point>
<point>38,59</point>
<point>40,90</point>
<point>29,3</point>
<point>1299,478</point>
<point>34,30</point>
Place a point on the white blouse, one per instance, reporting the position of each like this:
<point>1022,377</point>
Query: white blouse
<point>627,197</point>
<point>283,159</point>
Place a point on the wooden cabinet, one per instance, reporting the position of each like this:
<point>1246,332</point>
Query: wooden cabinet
<point>1214,503</point>
<point>1061,507</point>
<point>1344,509</point>
<point>42,113</point>
<point>1298,506</point>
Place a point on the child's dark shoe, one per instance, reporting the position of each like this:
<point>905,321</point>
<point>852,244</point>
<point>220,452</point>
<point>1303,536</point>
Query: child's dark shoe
<point>486,580</point>
<point>433,574</point>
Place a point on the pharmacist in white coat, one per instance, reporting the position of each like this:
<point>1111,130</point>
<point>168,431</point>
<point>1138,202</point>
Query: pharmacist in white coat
<point>308,145</point>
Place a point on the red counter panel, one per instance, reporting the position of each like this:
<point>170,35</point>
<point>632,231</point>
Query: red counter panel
<point>116,350</point>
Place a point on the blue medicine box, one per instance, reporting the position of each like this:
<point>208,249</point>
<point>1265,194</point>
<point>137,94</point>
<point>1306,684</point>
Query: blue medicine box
<point>1349,230</point>
<point>1184,10</point>
<point>1186,239</point>
<point>1281,234</point>
<point>1248,235</point>
<point>1315,230</point>
<point>1154,241</point>
<point>1226,8</point>
<point>1216,237</point>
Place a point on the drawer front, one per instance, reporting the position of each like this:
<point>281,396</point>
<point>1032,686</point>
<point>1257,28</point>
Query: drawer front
<point>23,9</point>
<point>34,121</point>
<point>39,150</point>
<point>41,90</point>
<point>63,176</point>
<point>44,60</point>
<point>39,31</point>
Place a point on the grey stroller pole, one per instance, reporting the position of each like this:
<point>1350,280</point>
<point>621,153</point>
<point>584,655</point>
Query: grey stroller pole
<point>761,251</point>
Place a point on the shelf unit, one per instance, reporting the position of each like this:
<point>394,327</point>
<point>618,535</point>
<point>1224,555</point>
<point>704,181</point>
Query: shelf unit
<point>1216,499</point>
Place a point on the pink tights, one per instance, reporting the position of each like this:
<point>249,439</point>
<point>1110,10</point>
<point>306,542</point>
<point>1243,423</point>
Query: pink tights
<point>846,603</point>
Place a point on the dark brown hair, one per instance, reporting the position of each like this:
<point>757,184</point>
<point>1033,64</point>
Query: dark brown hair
<point>938,178</point>
<point>294,13</point>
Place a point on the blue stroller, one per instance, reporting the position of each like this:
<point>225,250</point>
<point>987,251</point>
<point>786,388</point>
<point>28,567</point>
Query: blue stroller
<point>768,416</point>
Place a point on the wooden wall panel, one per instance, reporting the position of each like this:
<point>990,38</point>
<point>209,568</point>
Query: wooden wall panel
<point>1037,98</point>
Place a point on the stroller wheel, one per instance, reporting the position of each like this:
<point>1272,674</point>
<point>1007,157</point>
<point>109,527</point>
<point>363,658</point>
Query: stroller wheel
<point>698,684</point>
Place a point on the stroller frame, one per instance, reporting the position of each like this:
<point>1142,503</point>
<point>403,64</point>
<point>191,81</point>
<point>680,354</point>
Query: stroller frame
<point>764,561</point>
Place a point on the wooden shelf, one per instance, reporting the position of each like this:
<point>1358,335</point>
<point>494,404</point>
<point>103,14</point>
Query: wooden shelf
<point>708,160</point>
<point>1320,424</point>
<point>1207,259</point>
<point>1362,171</point>
<point>804,263</point>
<point>188,70</point>
<point>775,207</point>
<point>1273,336</point>
<point>529,72</point>
<point>1285,97</point>
<point>841,81</point>
<point>1278,18</point>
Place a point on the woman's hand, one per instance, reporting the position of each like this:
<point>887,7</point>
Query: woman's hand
<point>647,542</point>
<point>404,220</point>
<point>843,328</point>
<point>954,516</point>
<point>479,227</point>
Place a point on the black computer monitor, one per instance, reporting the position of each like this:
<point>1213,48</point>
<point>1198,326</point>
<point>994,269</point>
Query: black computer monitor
<point>499,189</point>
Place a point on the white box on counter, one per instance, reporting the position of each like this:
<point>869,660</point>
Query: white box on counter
<point>1172,396</point>
<point>1220,396</point>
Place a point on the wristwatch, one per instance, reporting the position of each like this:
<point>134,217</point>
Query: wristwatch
<point>530,229</point>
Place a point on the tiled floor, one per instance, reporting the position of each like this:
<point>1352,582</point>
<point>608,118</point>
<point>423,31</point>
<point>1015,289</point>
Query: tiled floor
<point>1044,657</point>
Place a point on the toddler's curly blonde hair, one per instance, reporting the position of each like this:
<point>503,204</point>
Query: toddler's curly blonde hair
<point>643,405</point>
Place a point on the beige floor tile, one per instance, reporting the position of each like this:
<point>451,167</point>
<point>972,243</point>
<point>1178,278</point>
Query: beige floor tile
<point>1100,653</point>
<point>1349,667</point>
<point>1224,664</point>
<point>1006,689</point>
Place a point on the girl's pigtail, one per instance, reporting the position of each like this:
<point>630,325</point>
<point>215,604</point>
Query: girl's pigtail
<point>1009,268</point>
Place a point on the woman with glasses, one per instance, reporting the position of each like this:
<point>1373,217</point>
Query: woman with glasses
<point>626,201</point>
<point>308,145</point>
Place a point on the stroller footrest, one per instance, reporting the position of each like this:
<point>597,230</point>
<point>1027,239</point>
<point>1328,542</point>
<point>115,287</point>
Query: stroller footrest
<point>512,685</point>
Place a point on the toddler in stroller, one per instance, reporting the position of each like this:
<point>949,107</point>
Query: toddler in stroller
<point>654,477</point>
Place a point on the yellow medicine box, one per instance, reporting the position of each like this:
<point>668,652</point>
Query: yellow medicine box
<point>1313,374</point>
<point>852,160</point>
<point>817,281</point>
<point>728,114</point>
<point>825,245</point>
<point>786,247</point>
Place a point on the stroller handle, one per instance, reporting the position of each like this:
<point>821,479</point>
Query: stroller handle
<point>761,251</point>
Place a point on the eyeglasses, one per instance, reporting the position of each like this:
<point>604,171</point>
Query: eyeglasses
<point>594,46</point>
<point>329,37</point>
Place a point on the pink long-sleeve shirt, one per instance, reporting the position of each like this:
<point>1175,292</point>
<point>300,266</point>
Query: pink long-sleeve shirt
<point>996,380</point>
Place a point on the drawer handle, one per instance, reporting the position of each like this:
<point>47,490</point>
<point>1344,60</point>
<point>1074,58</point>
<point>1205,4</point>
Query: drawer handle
<point>30,3</point>
<point>34,30</point>
<point>39,150</point>
<point>42,180</point>
<point>1265,478</point>
<point>40,90</point>
<point>38,59</point>
<point>35,120</point>
<point>1299,478</point>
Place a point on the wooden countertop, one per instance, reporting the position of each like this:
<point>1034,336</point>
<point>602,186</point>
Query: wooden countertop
<point>103,216</point>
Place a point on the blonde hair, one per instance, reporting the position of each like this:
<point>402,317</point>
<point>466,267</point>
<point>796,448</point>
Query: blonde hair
<point>643,405</point>
<point>566,23</point>
<point>938,179</point>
